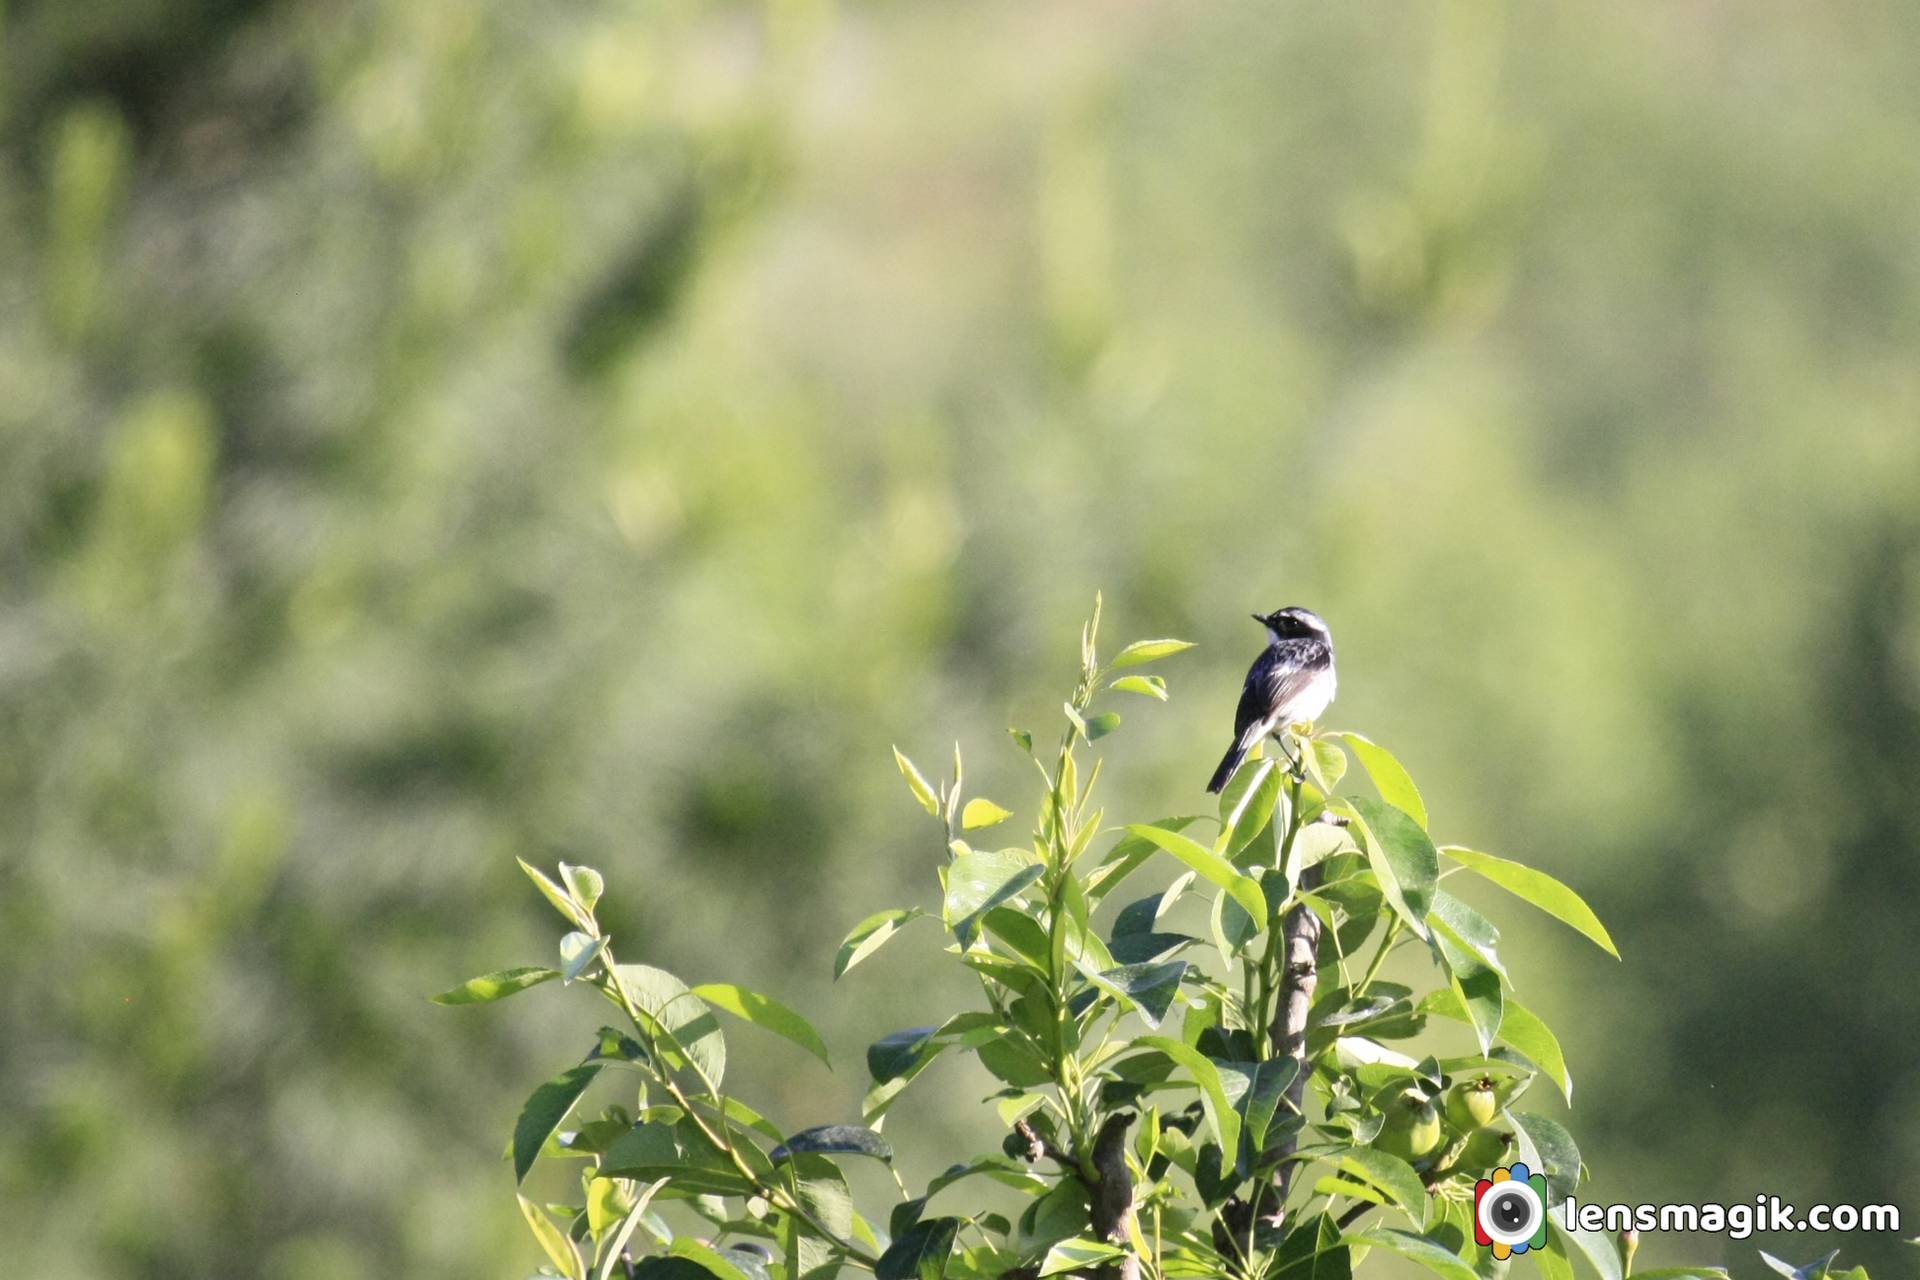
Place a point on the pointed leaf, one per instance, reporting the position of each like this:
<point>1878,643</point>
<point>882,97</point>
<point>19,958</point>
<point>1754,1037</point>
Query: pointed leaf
<point>869,935</point>
<point>1221,1117</point>
<point>1389,777</point>
<point>583,883</point>
<point>766,1013</point>
<point>1078,1254</point>
<point>980,880</point>
<point>553,1241</point>
<point>680,1013</point>
<point>1146,686</point>
<point>1532,1037</point>
<point>1403,859</point>
<point>1210,865</point>
<point>982,813</point>
<point>1476,987</point>
<point>496,986</point>
<point>554,894</point>
<point>834,1139</point>
<point>1150,988</point>
<point>1434,1257</point>
<point>544,1110</point>
<point>1392,1175</point>
<point>1149,651</point>
<point>1540,889</point>
<point>577,951</point>
<point>921,1253</point>
<point>917,783</point>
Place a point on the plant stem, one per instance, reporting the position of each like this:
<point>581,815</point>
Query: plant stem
<point>721,1142</point>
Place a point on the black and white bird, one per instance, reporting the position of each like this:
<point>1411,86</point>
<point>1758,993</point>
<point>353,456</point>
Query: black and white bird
<point>1291,683</point>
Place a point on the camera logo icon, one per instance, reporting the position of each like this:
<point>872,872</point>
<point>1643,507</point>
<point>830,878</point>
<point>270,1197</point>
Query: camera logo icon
<point>1510,1211</point>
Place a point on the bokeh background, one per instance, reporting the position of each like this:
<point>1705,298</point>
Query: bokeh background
<point>431,433</point>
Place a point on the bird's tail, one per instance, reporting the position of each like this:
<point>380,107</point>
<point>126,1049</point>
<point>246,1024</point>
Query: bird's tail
<point>1228,763</point>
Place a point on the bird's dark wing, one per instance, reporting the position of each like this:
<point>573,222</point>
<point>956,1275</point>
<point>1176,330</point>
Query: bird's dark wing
<point>1276,679</point>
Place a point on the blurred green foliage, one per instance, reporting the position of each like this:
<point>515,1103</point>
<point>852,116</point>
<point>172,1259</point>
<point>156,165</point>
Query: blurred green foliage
<point>430,433</point>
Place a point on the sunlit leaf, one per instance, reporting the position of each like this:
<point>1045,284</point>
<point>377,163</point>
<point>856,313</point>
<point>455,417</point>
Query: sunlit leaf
<point>1392,1175</point>
<point>764,1012</point>
<point>1434,1257</point>
<point>1403,859</point>
<point>1389,778</point>
<point>1149,651</point>
<point>917,784</point>
<point>496,986</point>
<point>577,951</point>
<point>553,1241</point>
<point>1221,1117</point>
<point>1540,889</point>
<point>982,813</point>
<point>1147,686</point>
<point>1078,1254</point>
<point>1210,865</point>
<point>870,934</point>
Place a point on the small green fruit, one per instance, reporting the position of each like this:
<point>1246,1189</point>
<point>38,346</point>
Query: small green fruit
<point>1412,1128</point>
<point>1472,1104</point>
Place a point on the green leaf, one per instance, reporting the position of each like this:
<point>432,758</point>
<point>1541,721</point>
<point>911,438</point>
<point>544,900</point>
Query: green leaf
<point>553,1241</point>
<point>1476,986</point>
<point>1246,808</point>
<point>577,951</point>
<point>710,1260</point>
<point>1548,1149</point>
<point>834,1139</point>
<point>980,880</point>
<point>1149,988</point>
<point>1101,725</point>
<point>1212,866</point>
<point>1392,1175</point>
<point>1127,856</point>
<point>917,784</point>
<point>870,934</point>
<point>544,1110</point>
<point>1403,859</point>
<point>921,1253</point>
<point>584,883</point>
<point>1255,1089</point>
<point>1434,1257</point>
<point>555,894</point>
<point>653,1150</point>
<point>1540,889</point>
<point>1467,928</point>
<point>1022,739</point>
<point>982,813</point>
<point>1597,1247</point>
<point>1552,1262</point>
<point>1147,686</point>
<point>1221,1117</point>
<point>1329,763</point>
<point>1525,1032</point>
<point>679,1013</point>
<point>766,1013</point>
<point>1389,777</point>
<point>611,1248</point>
<point>1149,651</point>
<point>1078,1254</point>
<point>496,986</point>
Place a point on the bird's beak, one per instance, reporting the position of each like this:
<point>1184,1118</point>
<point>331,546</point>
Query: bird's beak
<point>1257,618</point>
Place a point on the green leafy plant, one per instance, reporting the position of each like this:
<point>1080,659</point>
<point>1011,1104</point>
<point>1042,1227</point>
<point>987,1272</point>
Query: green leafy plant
<point>1210,1079</point>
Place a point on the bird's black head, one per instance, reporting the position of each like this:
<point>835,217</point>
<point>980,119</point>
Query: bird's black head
<point>1294,623</point>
